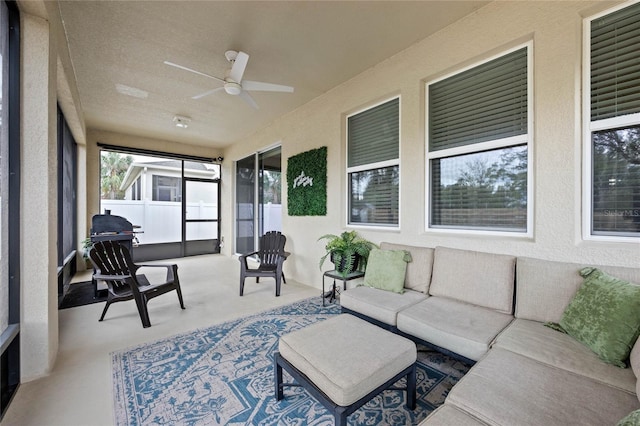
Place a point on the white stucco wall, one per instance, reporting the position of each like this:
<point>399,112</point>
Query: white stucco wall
<point>555,28</point>
<point>38,204</point>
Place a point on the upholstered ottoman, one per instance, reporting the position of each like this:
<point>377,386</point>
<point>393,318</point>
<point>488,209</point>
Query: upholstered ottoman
<point>344,362</point>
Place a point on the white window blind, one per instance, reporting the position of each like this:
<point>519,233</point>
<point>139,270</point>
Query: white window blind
<point>484,103</point>
<point>374,134</point>
<point>615,64</point>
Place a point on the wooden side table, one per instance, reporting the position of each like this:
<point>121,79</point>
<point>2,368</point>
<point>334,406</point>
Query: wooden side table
<point>334,291</point>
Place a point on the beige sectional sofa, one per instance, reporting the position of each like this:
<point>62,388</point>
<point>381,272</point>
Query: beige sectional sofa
<point>491,309</point>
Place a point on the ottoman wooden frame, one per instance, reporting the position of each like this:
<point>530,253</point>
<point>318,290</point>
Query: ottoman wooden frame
<point>341,412</point>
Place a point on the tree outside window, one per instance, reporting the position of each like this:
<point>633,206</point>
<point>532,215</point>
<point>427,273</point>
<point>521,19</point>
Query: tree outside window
<point>616,180</point>
<point>113,167</point>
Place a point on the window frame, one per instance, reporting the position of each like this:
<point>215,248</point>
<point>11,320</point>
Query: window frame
<point>136,192</point>
<point>508,142</point>
<point>10,340</point>
<point>373,166</point>
<point>158,187</point>
<point>589,127</point>
<point>64,138</point>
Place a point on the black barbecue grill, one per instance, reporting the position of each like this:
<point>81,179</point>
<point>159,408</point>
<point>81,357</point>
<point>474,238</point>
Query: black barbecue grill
<point>108,227</point>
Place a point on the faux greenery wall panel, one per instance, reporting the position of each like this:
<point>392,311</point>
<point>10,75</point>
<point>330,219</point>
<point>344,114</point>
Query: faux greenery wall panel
<point>307,183</point>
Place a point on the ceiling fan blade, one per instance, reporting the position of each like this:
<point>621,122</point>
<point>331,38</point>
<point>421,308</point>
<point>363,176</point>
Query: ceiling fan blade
<point>193,71</point>
<point>248,99</point>
<point>260,86</point>
<point>239,65</point>
<point>207,93</point>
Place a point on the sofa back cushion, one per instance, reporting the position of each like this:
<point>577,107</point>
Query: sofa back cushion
<point>544,288</point>
<point>634,360</point>
<point>418,276</point>
<point>479,278</point>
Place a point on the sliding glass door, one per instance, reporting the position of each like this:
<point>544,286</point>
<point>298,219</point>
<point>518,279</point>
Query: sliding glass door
<point>258,198</point>
<point>245,204</point>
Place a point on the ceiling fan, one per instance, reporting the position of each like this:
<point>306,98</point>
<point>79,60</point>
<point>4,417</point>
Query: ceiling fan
<point>233,84</point>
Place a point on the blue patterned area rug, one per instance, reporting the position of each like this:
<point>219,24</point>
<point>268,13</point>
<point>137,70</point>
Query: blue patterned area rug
<point>223,375</point>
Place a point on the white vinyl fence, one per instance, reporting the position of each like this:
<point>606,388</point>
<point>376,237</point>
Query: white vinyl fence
<point>161,221</point>
<point>272,217</point>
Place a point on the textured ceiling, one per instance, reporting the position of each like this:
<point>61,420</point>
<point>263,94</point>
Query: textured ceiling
<point>313,46</point>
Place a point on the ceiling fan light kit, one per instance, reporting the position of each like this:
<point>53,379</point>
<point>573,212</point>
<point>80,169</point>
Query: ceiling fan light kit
<point>232,88</point>
<point>233,83</point>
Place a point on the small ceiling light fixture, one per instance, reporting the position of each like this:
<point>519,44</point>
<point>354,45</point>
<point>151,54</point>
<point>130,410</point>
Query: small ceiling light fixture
<point>181,121</point>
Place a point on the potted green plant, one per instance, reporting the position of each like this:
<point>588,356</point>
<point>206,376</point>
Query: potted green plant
<point>86,247</point>
<point>348,251</point>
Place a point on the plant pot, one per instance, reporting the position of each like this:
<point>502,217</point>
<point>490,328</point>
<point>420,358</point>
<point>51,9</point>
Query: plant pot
<point>342,265</point>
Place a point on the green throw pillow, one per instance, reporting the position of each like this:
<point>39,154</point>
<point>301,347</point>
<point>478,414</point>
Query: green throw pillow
<point>632,419</point>
<point>604,315</point>
<point>386,269</point>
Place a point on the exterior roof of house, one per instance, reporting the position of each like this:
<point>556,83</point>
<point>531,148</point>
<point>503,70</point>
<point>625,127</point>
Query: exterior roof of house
<point>204,170</point>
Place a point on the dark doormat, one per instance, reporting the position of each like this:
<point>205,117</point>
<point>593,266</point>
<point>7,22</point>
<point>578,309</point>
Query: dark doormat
<point>80,294</point>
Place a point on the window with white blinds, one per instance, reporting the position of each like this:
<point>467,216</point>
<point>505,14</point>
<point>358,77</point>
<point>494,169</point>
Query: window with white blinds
<point>613,133</point>
<point>373,165</point>
<point>484,103</point>
<point>478,134</point>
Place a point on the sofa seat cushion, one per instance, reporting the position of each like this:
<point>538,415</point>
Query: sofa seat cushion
<point>532,339</point>
<point>347,357</point>
<point>418,275</point>
<point>465,329</point>
<point>379,304</point>
<point>510,389</point>
<point>447,415</point>
<point>478,278</point>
